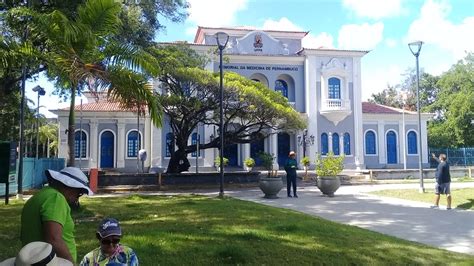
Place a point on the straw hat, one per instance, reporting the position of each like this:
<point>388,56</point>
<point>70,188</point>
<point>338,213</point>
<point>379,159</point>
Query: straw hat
<point>71,177</point>
<point>36,253</point>
<point>292,153</point>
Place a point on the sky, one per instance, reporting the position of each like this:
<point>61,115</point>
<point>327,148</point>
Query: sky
<point>383,27</point>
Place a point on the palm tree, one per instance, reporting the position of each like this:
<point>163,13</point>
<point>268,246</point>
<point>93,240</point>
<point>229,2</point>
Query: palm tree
<point>48,136</point>
<point>82,53</point>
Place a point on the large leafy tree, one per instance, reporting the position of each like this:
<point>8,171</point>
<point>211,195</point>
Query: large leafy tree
<point>403,95</point>
<point>82,53</point>
<point>190,96</point>
<point>454,107</point>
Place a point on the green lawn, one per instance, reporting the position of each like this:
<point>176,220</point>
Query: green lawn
<point>461,198</point>
<point>198,230</point>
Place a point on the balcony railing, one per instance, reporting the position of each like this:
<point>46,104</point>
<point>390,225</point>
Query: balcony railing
<point>335,104</point>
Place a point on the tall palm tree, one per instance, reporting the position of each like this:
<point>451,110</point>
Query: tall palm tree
<point>82,53</point>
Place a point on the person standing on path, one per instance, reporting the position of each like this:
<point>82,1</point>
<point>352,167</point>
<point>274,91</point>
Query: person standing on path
<point>47,215</point>
<point>443,181</point>
<point>290,168</point>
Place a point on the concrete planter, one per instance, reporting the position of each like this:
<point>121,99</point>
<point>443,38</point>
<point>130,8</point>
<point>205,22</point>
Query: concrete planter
<point>270,186</point>
<point>328,184</point>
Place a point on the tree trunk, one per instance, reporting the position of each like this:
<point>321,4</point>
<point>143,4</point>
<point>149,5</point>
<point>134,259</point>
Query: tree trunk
<point>71,128</point>
<point>178,162</point>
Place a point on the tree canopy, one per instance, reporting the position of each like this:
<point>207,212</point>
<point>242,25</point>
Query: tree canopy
<point>190,96</point>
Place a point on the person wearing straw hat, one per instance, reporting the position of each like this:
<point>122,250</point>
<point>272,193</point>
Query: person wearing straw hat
<point>110,252</point>
<point>36,253</point>
<point>47,215</point>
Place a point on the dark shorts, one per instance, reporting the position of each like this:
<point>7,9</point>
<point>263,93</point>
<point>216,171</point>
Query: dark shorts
<point>443,188</point>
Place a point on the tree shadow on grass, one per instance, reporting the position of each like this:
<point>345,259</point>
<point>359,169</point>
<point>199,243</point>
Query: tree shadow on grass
<point>467,205</point>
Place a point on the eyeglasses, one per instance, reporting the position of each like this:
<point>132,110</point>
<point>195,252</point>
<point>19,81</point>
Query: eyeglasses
<point>107,242</point>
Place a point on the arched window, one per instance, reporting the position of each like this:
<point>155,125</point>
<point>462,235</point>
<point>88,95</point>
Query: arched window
<point>194,141</point>
<point>334,89</point>
<point>412,143</point>
<point>347,144</point>
<point>133,143</point>
<point>370,144</point>
<point>324,144</point>
<point>281,86</point>
<point>169,144</point>
<point>335,144</point>
<point>80,144</point>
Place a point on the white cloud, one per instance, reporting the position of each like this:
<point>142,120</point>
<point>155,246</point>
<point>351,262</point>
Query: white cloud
<point>282,24</point>
<point>310,41</point>
<point>215,13</point>
<point>391,43</point>
<point>360,37</point>
<point>376,80</point>
<point>434,28</point>
<point>375,9</point>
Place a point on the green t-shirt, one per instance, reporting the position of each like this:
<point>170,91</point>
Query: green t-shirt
<point>47,205</point>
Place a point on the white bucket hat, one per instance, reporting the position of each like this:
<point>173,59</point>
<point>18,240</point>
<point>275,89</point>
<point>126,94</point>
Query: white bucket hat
<point>36,253</point>
<point>71,177</point>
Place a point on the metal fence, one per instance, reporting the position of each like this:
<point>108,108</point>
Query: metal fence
<point>456,157</point>
<point>33,173</point>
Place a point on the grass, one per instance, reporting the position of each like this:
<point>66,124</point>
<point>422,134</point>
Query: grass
<point>461,197</point>
<point>198,230</point>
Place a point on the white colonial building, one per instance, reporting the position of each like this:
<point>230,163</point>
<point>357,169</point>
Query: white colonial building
<point>322,84</point>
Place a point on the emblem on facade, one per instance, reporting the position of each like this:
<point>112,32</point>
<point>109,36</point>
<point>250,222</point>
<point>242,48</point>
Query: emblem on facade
<point>258,43</point>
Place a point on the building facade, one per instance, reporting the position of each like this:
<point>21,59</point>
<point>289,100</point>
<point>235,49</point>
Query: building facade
<point>324,85</point>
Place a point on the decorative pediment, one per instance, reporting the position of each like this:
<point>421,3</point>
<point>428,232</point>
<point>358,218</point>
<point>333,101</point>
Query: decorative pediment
<point>257,42</point>
<point>334,64</point>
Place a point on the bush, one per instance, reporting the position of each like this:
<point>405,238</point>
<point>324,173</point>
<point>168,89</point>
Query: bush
<point>267,160</point>
<point>249,162</point>
<point>217,161</point>
<point>330,165</point>
<point>305,161</point>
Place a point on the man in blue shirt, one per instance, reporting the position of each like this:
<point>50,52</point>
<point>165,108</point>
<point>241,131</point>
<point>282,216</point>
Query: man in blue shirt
<point>443,181</point>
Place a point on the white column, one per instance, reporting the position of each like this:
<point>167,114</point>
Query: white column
<point>147,140</point>
<point>341,142</point>
<point>63,147</point>
<point>94,163</point>
<point>381,142</point>
<point>424,140</point>
<point>358,121</point>
<point>274,148</point>
<point>330,142</point>
<point>402,137</point>
<point>311,102</point>
<point>121,145</point>
<point>155,154</point>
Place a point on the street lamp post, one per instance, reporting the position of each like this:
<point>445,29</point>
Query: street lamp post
<point>305,140</point>
<point>41,92</point>
<point>415,48</point>
<point>222,38</point>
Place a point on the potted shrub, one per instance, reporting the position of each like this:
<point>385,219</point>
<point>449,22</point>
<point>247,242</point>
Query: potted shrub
<point>327,170</point>
<point>217,162</point>
<point>249,164</point>
<point>271,184</point>
<point>305,161</point>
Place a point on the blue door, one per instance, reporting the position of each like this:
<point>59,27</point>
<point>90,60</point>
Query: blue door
<point>391,147</point>
<point>255,148</point>
<point>230,152</point>
<point>107,150</point>
<point>283,148</point>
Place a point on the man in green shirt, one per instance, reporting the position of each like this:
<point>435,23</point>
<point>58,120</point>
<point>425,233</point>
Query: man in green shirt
<point>47,215</point>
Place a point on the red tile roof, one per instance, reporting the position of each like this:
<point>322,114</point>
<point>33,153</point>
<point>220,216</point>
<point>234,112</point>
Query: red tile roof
<point>100,106</point>
<point>373,108</point>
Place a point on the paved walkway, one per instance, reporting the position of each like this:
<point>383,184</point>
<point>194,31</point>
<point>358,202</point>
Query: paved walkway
<point>452,230</point>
